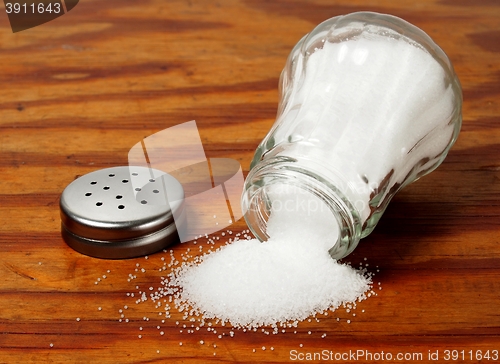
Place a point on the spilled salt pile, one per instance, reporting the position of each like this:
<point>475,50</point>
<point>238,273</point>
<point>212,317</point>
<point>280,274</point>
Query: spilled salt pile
<point>244,285</point>
<point>286,279</point>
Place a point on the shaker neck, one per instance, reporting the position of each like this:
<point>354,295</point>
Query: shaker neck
<point>257,200</point>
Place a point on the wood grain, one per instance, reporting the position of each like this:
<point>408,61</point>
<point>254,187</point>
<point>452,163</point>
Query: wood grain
<point>79,91</point>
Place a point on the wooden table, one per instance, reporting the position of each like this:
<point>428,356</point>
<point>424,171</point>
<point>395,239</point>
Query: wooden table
<point>78,92</point>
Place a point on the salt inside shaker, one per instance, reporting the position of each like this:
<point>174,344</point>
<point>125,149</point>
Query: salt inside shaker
<point>369,103</point>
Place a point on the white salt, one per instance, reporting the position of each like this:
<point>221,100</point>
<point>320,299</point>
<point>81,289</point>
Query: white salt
<point>359,108</point>
<point>287,278</point>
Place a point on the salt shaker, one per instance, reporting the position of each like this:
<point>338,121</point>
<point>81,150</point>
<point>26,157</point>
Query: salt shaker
<point>369,103</point>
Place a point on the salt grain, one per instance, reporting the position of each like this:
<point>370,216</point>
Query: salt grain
<point>248,284</point>
<point>289,277</point>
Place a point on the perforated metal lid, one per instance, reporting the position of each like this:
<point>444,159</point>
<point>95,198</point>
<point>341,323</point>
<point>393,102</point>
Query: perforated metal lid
<point>121,212</point>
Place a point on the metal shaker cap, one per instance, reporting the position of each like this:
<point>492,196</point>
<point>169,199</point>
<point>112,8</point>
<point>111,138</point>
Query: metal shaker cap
<point>121,212</point>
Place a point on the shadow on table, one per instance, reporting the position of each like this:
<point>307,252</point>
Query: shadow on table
<point>423,221</point>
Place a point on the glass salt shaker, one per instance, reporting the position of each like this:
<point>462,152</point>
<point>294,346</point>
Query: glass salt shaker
<point>369,103</point>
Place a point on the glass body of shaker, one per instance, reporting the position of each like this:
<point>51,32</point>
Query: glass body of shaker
<point>369,103</point>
